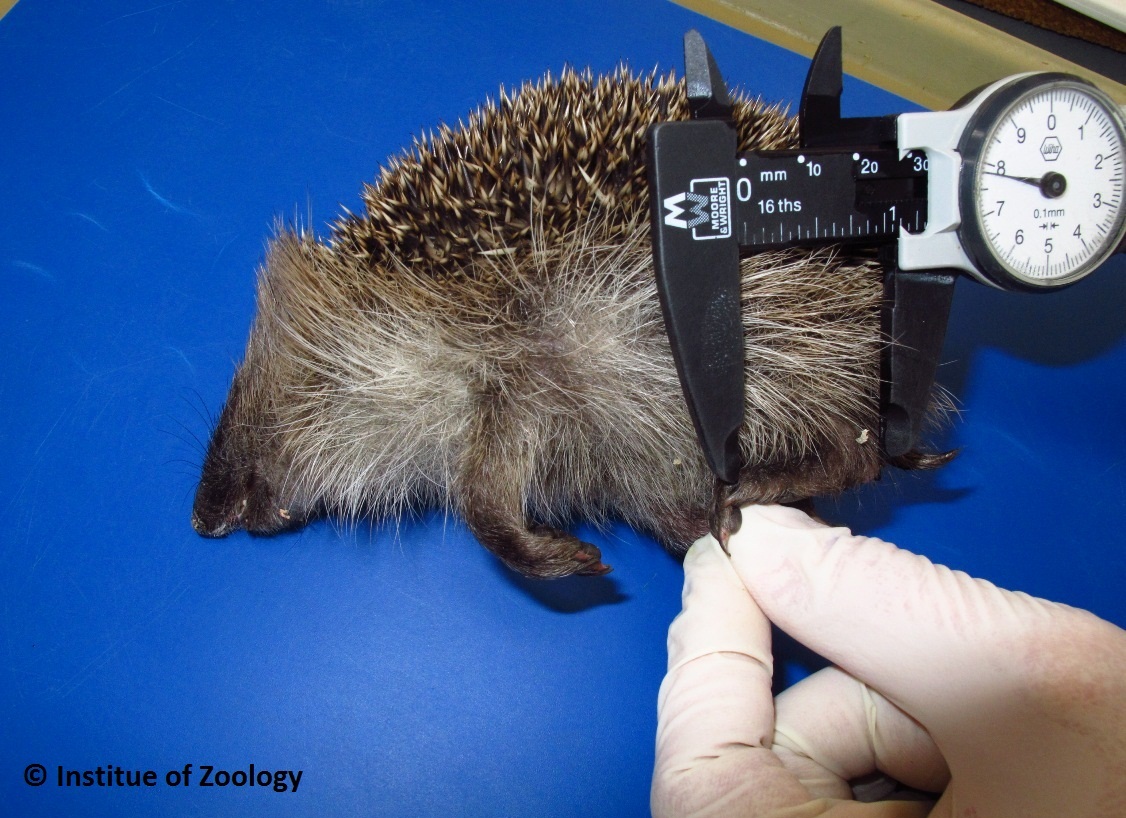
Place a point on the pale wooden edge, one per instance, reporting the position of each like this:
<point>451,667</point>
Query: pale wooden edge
<point>915,49</point>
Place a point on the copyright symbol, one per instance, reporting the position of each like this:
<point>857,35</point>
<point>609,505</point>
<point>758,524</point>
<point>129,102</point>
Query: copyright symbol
<point>34,775</point>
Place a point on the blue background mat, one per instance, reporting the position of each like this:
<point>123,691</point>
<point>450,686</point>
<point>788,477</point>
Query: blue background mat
<point>145,150</point>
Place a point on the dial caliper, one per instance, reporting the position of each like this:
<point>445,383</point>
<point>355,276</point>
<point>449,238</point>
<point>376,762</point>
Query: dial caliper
<point>1020,186</point>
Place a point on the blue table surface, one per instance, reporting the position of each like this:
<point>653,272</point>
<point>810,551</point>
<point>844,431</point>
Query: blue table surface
<point>145,150</point>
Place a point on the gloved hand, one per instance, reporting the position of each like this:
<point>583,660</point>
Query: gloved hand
<point>1005,704</point>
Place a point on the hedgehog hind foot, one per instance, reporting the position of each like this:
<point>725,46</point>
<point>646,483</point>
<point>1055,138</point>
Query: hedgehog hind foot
<point>557,550</point>
<point>538,551</point>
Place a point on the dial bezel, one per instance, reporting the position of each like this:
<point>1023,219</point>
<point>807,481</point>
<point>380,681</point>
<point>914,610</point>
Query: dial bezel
<point>980,128</point>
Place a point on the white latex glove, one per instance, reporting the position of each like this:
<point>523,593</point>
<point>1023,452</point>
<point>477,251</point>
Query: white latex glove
<point>1006,704</point>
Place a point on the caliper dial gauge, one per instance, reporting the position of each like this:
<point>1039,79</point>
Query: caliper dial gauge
<point>1041,188</point>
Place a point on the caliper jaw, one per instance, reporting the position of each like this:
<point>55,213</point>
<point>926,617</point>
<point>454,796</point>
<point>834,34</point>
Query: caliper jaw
<point>707,92</point>
<point>820,122</point>
<point>916,310</point>
<point>917,303</point>
<point>697,267</point>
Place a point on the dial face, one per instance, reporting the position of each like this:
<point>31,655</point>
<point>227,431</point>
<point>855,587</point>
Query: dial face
<point>1046,191</point>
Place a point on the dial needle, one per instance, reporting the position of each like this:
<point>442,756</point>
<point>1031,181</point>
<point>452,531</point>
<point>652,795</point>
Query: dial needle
<point>1028,180</point>
<point>1051,184</point>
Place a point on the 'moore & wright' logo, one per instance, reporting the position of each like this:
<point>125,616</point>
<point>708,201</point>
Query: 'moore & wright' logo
<point>705,209</point>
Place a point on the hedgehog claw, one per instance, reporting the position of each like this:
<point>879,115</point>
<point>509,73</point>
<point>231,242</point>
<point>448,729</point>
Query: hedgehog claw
<point>591,561</point>
<point>599,569</point>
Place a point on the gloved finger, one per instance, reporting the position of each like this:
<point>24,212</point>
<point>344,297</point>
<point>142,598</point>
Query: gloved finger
<point>831,729</point>
<point>1013,689</point>
<point>888,617</point>
<point>715,712</point>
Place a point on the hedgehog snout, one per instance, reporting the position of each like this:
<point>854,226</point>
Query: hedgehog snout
<point>205,530</point>
<point>208,520</point>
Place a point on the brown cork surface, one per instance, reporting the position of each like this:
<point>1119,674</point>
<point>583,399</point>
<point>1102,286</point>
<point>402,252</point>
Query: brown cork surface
<point>1060,19</point>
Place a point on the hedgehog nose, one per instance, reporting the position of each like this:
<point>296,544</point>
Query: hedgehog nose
<point>204,530</point>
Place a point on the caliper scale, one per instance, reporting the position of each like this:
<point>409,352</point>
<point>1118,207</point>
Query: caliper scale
<point>1020,186</point>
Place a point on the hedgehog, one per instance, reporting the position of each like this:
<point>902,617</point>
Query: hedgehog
<point>485,337</point>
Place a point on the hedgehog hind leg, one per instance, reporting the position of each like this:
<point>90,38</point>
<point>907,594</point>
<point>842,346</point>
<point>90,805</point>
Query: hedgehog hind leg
<point>497,520</point>
<point>489,492</point>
